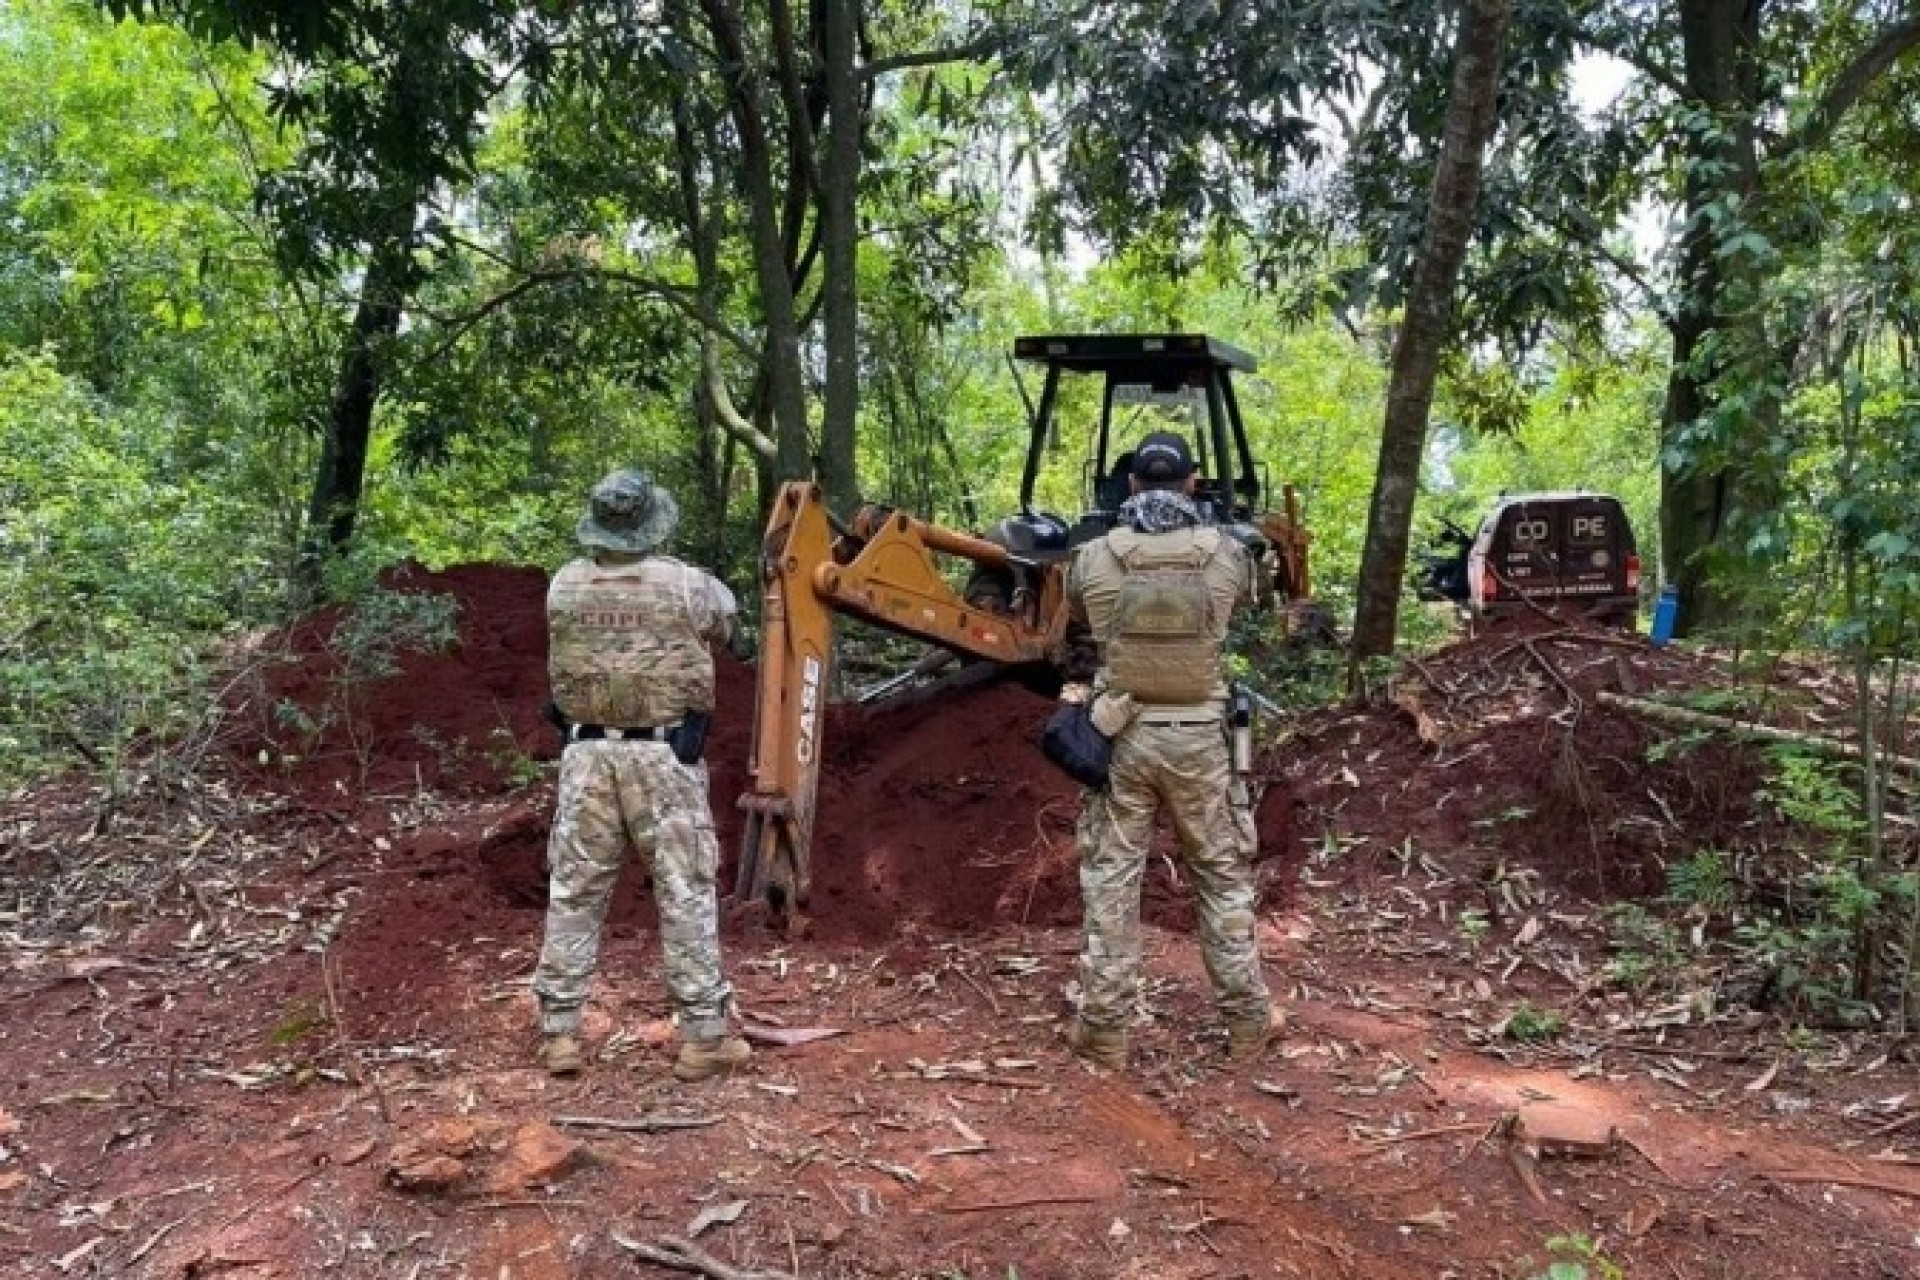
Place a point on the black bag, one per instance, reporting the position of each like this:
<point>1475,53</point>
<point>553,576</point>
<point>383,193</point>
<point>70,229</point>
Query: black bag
<point>689,737</point>
<point>1071,741</point>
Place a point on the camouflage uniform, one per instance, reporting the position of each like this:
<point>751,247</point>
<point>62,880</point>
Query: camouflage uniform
<point>629,651</point>
<point>1171,755</point>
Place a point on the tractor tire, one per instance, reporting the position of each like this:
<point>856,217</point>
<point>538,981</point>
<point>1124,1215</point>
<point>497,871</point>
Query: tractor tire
<point>990,589</point>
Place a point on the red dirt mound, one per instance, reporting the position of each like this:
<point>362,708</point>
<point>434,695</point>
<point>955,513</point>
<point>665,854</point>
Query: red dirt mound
<point>942,813</point>
<point>459,720</point>
<point>1501,750</point>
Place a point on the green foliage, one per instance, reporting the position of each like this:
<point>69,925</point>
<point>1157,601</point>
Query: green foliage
<point>1677,747</point>
<point>118,574</point>
<point>1474,926</point>
<point>1811,791</point>
<point>384,624</point>
<point>1646,948</point>
<point>1529,1025</point>
<point>1577,1257</point>
<point>1811,953</point>
<point>1704,880</point>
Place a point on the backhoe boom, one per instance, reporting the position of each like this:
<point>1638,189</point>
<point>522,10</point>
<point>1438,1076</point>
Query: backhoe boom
<point>882,571</point>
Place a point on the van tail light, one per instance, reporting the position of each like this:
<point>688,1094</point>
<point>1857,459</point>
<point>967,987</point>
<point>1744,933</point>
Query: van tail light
<point>1633,573</point>
<point>1489,585</point>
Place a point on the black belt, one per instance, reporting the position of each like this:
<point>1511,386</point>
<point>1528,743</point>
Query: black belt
<point>595,732</point>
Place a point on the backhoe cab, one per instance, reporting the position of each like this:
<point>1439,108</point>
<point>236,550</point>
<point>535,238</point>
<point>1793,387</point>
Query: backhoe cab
<point>1148,382</point>
<point>890,569</point>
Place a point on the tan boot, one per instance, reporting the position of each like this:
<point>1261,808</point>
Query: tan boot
<point>1249,1039</point>
<point>1103,1048</point>
<point>560,1055</point>
<point>704,1059</point>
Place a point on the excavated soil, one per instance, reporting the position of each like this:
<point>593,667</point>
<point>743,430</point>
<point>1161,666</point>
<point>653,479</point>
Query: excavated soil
<point>1501,751</point>
<point>941,814</point>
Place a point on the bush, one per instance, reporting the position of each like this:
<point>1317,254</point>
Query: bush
<point>120,575</point>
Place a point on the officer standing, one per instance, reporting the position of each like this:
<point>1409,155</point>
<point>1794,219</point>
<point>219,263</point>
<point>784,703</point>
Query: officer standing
<point>630,668</point>
<point>1157,593</point>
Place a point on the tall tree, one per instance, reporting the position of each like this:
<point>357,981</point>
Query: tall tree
<point>1737,58</point>
<point>389,97</point>
<point>1427,329</point>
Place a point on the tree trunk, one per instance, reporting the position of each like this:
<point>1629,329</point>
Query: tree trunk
<point>1426,328</point>
<point>786,385</point>
<point>1719,39</point>
<point>840,234</point>
<point>334,508</point>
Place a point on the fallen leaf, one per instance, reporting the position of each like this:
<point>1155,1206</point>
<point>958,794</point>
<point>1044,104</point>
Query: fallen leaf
<point>9,1124</point>
<point>355,1154</point>
<point>1432,1220</point>
<point>12,1181</point>
<point>1641,1217</point>
<point>726,1212</point>
<point>87,966</point>
<point>788,1037</point>
<point>1759,1083</point>
<point>66,1261</point>
<point>1529,932</point>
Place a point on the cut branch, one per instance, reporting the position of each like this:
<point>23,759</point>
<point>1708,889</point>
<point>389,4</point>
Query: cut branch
<point>1690,719</point>
<point>636,1124</point>
<point>684,1255</point>
<point>1843,1180</point>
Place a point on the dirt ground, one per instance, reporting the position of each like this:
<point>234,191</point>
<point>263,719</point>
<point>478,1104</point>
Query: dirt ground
<point>271,1018</point>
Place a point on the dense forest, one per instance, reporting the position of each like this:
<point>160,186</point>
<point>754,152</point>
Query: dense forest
<point>295,290</point>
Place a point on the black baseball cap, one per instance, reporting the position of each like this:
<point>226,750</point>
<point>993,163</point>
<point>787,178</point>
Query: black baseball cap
<point>1161,457</point>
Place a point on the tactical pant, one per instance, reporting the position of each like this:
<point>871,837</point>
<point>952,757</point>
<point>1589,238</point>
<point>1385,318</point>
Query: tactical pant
<point>613,793</point>
<point>1185,769</point>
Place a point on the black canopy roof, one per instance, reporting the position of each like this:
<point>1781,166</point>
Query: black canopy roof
<point>1149,353</point>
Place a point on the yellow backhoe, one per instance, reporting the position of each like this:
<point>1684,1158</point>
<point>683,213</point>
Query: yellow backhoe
<point>886,568</point>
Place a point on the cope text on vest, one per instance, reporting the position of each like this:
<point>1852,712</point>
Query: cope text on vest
<point>610,619</point>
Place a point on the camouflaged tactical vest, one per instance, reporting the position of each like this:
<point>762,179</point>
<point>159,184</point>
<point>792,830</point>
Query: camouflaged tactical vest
<point>1163,640</point>
<point>625,643</point>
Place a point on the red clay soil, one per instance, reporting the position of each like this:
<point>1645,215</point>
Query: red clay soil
<point>943,814</point>
<point>233,1012</point>
<point>450,721</point>
<point>1480,751</point>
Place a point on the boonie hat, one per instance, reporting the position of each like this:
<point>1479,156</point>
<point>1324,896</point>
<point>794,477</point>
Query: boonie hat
<point>1162,456</point>
<point>627,512</point>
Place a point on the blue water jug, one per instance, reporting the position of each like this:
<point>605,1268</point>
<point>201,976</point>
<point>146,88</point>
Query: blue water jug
<point>1665,614</point>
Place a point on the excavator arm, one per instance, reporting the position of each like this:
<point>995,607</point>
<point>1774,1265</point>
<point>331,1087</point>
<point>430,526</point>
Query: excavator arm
<point>882,570</point>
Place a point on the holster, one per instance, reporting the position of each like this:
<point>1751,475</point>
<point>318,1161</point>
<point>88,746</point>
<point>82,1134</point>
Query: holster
<point>689,738</point>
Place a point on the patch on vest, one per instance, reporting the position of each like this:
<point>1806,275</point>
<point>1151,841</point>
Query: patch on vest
<point>1163,648</point>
